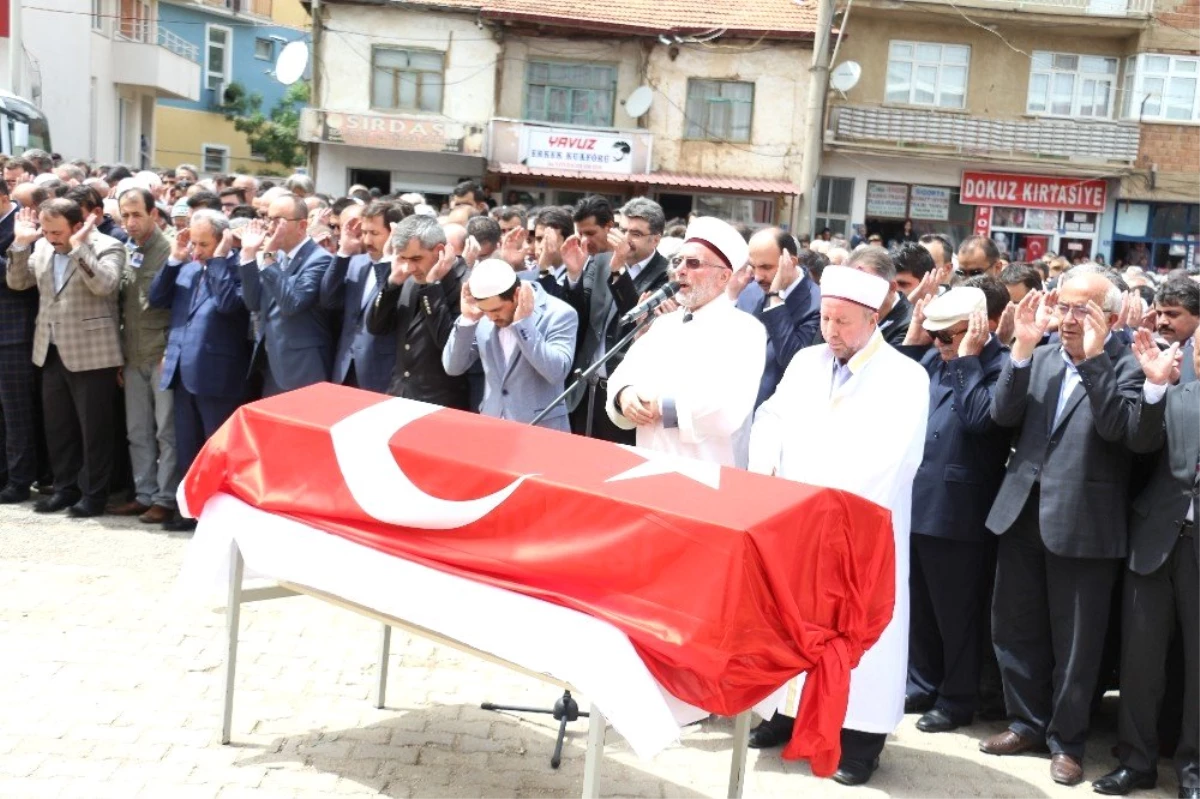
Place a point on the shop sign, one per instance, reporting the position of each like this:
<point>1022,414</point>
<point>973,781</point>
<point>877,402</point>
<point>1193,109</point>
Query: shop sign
<point>983,220</point>
<point>391,132</point>
<point>1032,191</point>
<point>887,200</point>
<point>582,150</point>
<point>929,202</point>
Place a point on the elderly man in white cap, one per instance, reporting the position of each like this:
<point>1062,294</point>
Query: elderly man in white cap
<point>850,414</point>
<point>688,385</point>
<point>180,214</point>
<point>951,548</point>
<point>525,339</point>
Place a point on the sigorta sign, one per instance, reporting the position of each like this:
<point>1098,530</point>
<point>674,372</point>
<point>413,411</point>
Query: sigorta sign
<point>1032,191</point>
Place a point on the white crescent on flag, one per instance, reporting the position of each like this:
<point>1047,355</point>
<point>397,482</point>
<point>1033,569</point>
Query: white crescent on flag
<point>380,486</point>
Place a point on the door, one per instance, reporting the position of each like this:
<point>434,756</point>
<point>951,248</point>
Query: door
<point>373,179</point>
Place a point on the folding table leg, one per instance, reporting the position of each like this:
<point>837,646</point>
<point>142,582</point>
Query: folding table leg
<point>595,753</point>
<point>737,768</point>
<point>233,614</point>
<point>385,649</point>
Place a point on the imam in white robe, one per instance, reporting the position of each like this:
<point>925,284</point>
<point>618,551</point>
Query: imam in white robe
<point>705,373</point>
<point>865,436</point>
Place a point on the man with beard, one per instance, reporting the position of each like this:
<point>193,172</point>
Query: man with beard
<point>688,385</point>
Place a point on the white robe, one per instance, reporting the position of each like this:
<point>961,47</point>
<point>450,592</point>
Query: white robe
<point>868,438</point>
<point>710,367</point>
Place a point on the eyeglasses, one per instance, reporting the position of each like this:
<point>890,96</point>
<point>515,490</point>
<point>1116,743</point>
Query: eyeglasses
<point>678,263</point>
<point>634,235</point>
<point>1078,311</point>
<point>945,336</point>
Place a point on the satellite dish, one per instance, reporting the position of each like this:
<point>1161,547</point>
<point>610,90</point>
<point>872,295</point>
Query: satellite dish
<point>290,65</point>
<point>846,76</point>
<point>639,101</point>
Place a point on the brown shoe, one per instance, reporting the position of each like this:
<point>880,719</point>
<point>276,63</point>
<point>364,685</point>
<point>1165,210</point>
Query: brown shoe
<point>132,508</point>
<point>156,514</point>
<point>1065,770</point>
<point>1007,743</point>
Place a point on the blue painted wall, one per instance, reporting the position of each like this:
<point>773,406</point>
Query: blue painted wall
<point>190,24</point>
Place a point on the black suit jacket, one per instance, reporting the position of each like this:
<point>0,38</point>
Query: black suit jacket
<point>421,317</point>
<point>1081,459</point>
<point>18,309</point>
<point>894,326</point>
<point>1162,505</point>
<point>965,450</point>
<point>790,328</point>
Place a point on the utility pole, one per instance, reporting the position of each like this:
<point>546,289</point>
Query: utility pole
<point>314,99</point>
<point>814,121</point>
<point>16,50</point>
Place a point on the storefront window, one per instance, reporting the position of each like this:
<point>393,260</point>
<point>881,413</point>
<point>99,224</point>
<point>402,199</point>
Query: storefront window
<point>1158,236</point>
<point>737,210</point>
<point>931,209</point>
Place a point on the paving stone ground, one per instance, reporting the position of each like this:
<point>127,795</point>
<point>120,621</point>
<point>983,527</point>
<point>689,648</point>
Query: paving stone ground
<point>110,686</point>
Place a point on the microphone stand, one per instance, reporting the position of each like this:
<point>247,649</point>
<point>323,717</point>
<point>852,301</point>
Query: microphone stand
<point>591,375</point>
<point>566,709</point>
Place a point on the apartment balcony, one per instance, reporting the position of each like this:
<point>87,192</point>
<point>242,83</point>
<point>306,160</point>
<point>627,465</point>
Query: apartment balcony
<point>1042,141</point>
<point>433,134</point>
<point>146,55</point>
<point>257,8</point>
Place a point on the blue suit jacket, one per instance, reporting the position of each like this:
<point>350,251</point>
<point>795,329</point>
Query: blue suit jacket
<point>373,357</point>
<point>297,333</point>
<point>790,328</point>
<point>965,450</point>
<point>18,309</point>
<point>521,387</point>
<point>206,340</point>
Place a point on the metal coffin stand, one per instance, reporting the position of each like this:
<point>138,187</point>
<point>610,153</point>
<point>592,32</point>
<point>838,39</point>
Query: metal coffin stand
<point>238,595</point>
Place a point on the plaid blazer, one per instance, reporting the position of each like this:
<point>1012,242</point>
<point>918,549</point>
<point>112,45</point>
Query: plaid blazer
<point>83,314</point>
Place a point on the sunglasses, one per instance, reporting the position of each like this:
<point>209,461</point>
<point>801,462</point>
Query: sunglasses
<point>945,336</point>
<point>692,264</point>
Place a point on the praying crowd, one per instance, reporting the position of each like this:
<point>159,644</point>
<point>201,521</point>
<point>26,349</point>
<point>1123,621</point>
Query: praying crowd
<point>1034,428</point>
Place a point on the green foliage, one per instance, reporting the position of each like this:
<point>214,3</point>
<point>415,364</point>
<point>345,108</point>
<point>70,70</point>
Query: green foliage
<point>274,136</point>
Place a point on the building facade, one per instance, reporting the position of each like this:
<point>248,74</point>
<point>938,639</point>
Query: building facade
<point>239,41</point>
<point>96,70</point>
<point>535,101</point>
<point>1020,120</point>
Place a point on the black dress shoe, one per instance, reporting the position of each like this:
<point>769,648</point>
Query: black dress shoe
<point>1189,792</point>
<point>87,508</point>
<point>855,772</point>
<point>179,524</point>
<point>12,494</point>
<point>1121,781</point>
<point>918,704</point>
<point>773,732</point>
<point>55,503</point>
<point>938,720</point>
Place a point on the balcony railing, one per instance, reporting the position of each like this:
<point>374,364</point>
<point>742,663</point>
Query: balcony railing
<point>1100,140</point>
<point>145,31</point>
<point>1100,8</point>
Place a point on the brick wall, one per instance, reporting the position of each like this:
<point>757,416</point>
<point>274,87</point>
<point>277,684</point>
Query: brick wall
<point>1176,151</point>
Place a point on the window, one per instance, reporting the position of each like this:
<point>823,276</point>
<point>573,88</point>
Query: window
<point>135,20</point>
<point>98,15</point>
<point>409,80</point>
<point>214,158</point>
<point>719,109</point>
<point>570,94</point>
<point>833,204</point>
<point>1162,88</point>
<point>920,73</point>
<point>217,47</point>
<point>264,49</point>
<point>1062,84</point>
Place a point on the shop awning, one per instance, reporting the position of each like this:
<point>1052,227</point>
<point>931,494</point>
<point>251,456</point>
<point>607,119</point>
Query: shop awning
<point>657,179</point>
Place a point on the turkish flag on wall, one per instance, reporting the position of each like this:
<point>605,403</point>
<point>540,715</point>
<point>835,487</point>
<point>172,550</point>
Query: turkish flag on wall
<point>728,583</point>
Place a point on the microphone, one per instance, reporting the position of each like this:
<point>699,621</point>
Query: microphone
<point>650,303</point>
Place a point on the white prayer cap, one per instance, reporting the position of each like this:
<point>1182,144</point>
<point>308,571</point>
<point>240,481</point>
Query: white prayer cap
<point>720,237</point>
<point>147,180</point>
<point>125,184</point>
<point>846,283</point>
<point>179,209</point>
<point>491,278</point>
<point>956,305</point>
<point>425,210</point>
<point>44,178</point>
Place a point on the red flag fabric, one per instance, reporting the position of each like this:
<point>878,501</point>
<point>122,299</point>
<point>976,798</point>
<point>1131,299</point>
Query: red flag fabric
<point>727,583</point>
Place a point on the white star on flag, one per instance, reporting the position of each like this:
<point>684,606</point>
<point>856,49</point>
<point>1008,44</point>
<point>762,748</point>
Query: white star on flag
<point>656,463</point>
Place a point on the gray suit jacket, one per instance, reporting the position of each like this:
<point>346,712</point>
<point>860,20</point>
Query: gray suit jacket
<point>1162,505</point>
<point>1080,459</point>
<point>520,387</point>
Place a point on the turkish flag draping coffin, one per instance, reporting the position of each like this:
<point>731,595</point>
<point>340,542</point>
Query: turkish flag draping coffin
<point>728,583</point>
